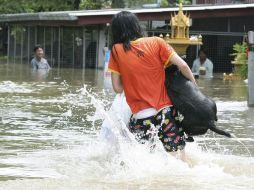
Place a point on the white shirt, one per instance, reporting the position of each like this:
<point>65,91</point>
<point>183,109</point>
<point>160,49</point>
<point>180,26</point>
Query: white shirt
<point>207,66</point>
<point>145,113</point>
<point>148,112</point>
<point>40,64</point>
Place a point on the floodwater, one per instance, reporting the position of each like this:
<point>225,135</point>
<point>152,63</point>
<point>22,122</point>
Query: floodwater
<point>49,138</point>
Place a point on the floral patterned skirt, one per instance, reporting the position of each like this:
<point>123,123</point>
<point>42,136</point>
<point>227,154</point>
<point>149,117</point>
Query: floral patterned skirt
<point>162,124</point>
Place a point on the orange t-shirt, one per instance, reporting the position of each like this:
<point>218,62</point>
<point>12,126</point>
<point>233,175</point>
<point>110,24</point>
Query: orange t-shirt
<point>142,72</point>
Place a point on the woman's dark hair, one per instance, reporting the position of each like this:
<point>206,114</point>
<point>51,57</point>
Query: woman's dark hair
<point>125,28</point>
<point>36,47</point>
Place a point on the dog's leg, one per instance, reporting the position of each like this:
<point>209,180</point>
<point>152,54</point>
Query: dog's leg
<point>189,138</point>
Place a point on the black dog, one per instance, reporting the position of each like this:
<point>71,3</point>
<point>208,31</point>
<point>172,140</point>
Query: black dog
<point>198,110</point>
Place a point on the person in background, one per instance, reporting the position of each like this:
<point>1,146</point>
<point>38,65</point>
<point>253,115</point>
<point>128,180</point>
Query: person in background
<point>38,62</point>
<point>202,65</point>
<point>137,66</point>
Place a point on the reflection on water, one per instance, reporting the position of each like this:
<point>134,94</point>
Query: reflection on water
<point>49,125</point>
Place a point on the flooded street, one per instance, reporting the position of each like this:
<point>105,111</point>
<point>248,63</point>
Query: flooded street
<point>49,138</point>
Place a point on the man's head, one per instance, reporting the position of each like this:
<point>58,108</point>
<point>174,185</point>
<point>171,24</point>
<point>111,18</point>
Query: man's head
<point>125,27</point>
<point>202,54</point>
<point>38,51</point>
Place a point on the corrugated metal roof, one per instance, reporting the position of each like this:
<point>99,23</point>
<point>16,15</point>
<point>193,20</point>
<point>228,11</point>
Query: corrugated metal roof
<point>156,10</point>
<point>43,16</point>
<point>73,15</point>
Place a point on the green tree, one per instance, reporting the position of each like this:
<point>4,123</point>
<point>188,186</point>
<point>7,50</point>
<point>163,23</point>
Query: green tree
<point>240,59</point>
<point>11,6</point>
<point>118,4</point>
<point>27,6</point>
<point>164,3</point>
<point>134,3</point>
<point>91,4</point>
<point>174,2</point>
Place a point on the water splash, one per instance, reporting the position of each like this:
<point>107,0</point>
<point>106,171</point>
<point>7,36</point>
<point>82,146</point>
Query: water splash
<point>88,161</point>
<point>11,87</point>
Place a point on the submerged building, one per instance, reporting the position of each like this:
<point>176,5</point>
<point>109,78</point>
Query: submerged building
<point>78,38</point>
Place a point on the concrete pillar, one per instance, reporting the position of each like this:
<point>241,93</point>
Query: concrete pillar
<point>102,42</point>
<point>251,78</point>
<point>251,70</point>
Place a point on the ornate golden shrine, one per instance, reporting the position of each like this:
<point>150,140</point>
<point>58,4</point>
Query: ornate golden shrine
<point>179,38</point>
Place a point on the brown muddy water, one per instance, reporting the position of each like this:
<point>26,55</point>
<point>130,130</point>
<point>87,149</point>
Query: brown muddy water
<point>49,138</point>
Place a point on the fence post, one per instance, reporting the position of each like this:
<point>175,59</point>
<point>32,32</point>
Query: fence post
<point>28,44</point>
<point>59,47</point>
<point>251,69</point>
<point>9,44</point>
<point>84,47</point>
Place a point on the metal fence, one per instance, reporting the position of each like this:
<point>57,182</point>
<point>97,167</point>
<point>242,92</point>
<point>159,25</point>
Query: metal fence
<point>63,46</point>
<point>219,46</point>
<point>219,49</point>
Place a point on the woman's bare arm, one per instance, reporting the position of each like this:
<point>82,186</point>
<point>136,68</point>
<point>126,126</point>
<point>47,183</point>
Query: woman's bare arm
<point>117,82</point>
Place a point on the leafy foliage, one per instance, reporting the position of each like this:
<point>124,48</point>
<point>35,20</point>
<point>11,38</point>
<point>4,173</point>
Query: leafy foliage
<point>28,6</point>
<point>91,4</point>
<point>187,2</point>
<point>164,3</point>
<point>118,4</point>
<point>175,2</point>
<point>240,58</point>
<point>244,71</point>
<point>11,6</point>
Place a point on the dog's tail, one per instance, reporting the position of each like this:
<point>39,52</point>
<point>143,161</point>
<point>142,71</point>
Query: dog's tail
<point>213,128</point>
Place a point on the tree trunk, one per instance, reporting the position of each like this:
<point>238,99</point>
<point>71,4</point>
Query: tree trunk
<point>76,4</point>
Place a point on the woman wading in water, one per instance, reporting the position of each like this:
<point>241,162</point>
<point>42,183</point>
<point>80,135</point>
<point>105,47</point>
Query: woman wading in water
<point>137,64</point>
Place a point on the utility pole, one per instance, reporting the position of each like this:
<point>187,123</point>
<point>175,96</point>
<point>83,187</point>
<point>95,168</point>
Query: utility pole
<point>251,69</point>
